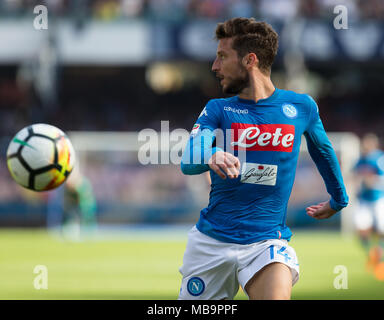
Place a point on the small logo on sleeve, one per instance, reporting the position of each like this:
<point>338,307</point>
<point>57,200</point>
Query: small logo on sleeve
<point>204,112</point>
<point>195,129</point>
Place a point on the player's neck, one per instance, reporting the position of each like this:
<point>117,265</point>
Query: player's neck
<point>260,87</point>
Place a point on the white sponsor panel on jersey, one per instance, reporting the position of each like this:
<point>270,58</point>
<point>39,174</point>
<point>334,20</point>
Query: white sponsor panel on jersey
<point>263,137</point>
<point>259,173</point>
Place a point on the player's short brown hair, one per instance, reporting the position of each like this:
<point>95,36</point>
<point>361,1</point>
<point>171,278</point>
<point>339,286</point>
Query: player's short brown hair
<point>249,36</point>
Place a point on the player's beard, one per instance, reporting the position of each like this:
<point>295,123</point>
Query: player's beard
<point>238,84</point>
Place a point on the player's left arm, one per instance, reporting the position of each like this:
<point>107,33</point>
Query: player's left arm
<point>324,156</point>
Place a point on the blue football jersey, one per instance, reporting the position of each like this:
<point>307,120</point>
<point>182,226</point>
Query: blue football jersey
<point>266,136</point>
<point>371,163</point>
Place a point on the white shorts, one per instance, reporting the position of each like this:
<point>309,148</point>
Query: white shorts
<point>214,269</point>
<point>370,214</point>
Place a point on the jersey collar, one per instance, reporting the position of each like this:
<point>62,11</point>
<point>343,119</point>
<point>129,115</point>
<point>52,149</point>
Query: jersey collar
<point>261,101</point>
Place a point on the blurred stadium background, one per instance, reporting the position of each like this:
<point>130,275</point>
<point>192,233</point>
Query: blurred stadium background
<point>106,69</point>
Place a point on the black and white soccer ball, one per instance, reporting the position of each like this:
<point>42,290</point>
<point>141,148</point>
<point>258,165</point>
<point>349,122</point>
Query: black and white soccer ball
<point>40,157</point>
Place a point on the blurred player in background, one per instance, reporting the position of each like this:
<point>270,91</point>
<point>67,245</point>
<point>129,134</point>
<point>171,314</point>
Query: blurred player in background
<point>73,207</point>
<point>241,237</point>
<point>369,216</point>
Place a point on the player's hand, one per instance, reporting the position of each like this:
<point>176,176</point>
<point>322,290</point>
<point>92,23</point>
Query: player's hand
<point>319,211</point>
<point>225,164</point>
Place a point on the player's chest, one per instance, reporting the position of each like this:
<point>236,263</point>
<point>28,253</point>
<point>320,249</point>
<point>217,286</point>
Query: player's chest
<point>264,128</point>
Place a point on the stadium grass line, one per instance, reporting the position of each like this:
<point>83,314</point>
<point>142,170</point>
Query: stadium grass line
<point>117,268</point>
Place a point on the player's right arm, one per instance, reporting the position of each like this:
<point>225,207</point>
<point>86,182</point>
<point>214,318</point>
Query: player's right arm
<point>200,155</point>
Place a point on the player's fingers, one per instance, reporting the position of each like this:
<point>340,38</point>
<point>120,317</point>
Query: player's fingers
<point>230,157</point>
<point>319,205</point>
<point>314,212</point>
<point>310,212</point>
<point>320,214</point>
<point>313,215</point>
<point>314,207</point>
<point>217,170</point>
<point>219,158</point>
<point>325,214</point>
<point>237,164</point>
<point>229,170</point>
<point>322,204</point>
<point>225,164</point>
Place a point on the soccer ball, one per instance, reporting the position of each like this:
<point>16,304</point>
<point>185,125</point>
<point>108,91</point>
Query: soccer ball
<point>40,157</point>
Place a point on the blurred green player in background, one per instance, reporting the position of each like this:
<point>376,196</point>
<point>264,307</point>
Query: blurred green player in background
<point>72,208</point>
<point>369,216</point>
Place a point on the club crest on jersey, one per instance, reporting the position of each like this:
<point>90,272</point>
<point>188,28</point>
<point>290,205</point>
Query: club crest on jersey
<point>195,286</point>
<point>262,137</point>
<point>289,110</point>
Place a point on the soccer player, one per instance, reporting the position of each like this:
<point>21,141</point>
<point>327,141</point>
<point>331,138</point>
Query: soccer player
<point>369,216</point>
<point>250,145</point>
<point>73,207</point>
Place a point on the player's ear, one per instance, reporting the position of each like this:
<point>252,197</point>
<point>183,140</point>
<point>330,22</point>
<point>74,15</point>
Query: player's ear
<point>250,60</point>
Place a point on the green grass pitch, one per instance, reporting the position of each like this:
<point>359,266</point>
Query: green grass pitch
<point>136,269</point>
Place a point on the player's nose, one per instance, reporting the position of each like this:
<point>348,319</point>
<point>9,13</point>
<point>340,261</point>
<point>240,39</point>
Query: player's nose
<point>215,66</point>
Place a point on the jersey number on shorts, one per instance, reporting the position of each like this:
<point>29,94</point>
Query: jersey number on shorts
<point>280,252</point>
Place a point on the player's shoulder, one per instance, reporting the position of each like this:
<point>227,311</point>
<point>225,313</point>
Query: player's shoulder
<point>295,97</point>
<point>216,105</point>
<point>212,109</point>
<point>221,101</point>
<point>301,101</point>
